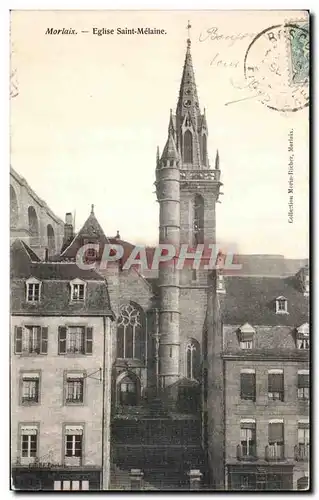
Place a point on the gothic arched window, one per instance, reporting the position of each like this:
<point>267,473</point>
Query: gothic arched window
<point>128,391</point>
<point>14,210</point>
<point>130,332</point>
<point>198,219</point>
<point>204,149</point>
<point>192,360</point>
<point>51,239</point>
<point>33,226</point>
<point>188,147</point>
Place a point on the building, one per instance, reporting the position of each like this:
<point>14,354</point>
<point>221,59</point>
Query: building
<point>32,220</point>
<point>264,378</point>
<point>175,360</point>
<point>60,375</point>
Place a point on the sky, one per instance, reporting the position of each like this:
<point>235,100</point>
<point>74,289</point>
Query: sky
<point>90,111</point>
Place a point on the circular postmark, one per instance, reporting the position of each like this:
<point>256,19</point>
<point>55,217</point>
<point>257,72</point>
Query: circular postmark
<point>276,66</point>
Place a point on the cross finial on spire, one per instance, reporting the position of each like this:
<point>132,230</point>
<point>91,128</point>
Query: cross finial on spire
<point>188,27</point>
<point>92,209</point>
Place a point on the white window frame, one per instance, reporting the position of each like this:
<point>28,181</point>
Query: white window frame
<point>31,282</point>
<point>75,285</point>
<point>30,377</point>
<point>74,377</point>
<point>246,329</point>
<point>29,430</point>
<point>281,301</point>
<point>30,335</point>
<point>73,430</point>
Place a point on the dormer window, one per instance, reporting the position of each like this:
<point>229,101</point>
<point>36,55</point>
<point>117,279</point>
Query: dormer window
<point>246,336</point>
<point>33,291</point>
<point>281,305</point>
<point>78,290</point>
<point>303,339</point>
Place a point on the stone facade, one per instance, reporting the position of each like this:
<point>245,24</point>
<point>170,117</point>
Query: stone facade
<point>173,362</point>
<point>32,220</point>
<point>54,389</point>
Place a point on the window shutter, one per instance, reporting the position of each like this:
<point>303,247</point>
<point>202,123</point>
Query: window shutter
<point>303,380</point>
<point>248,425</point>
<point>44,340</point>
<point>276,432</point>
<point>62,339</point>
<point>275,382</point>
<point>247,385</point>
<point>18,339</point>
<point>89,340</point>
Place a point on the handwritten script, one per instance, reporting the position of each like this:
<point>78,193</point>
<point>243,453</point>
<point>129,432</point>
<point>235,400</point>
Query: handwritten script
<point>214,35</point>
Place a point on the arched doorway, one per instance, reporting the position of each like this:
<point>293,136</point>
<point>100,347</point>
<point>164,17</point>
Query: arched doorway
<point>128,390</point>
<point>33,226</point>
<point>50,239</point>
<point>14,209</point>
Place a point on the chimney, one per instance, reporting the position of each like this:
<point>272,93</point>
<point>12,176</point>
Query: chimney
<point>68,228</point>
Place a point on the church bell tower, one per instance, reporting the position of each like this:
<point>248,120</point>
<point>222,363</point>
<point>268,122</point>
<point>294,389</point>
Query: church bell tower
<point>187,191</point>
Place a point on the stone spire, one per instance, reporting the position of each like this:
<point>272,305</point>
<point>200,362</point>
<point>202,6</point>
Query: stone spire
<point>170,151</point>
<point>189,129</point>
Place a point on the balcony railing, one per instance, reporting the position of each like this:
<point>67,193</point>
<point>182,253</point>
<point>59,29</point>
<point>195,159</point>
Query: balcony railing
<point>302,452</point>
<point>200,175</point>
<point>274,452</point>
<point>246,453</point>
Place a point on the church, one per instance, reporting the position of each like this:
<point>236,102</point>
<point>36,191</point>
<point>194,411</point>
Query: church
<point>168,409</point>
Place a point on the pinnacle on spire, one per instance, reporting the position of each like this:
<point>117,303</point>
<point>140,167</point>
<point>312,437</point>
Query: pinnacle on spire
<point>170,151</point>
<point>171,125</point>
<point>217,161</point>
<point>92,209</point>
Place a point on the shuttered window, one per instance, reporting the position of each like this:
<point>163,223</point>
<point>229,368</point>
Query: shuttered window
<point>276,433</point>
<point>75,340</point>
<point>248,386</point>
<point>276,386</point>
<point>31,340</point>
<point>303,385</point>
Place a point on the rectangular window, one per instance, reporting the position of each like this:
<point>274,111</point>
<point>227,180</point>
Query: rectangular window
<point>303,441</point>
<point>29,441</point>
<point>75,340</point>
<point>248,439</point>
<point>248,386</point>
<point>246,344</point>
<point>303,343</point>
<point>33,292</point>
<point>30,388</point>
<point>276,440</point>
<point>31,340</point>
<point>276,385</point>
<point>282,305</point>
<point>78,292</point>
<point>71,485</point>
<point>74,388</point>
<point>303,385</point>
<point>73,444</point>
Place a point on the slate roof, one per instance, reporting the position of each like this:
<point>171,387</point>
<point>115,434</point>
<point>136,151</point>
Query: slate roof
<point>90,230</point>
<point>55,289</point>
<point>267,265</point>
<point>252,300</point>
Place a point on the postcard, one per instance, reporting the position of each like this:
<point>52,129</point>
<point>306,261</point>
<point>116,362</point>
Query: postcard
<point>159,239</point>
